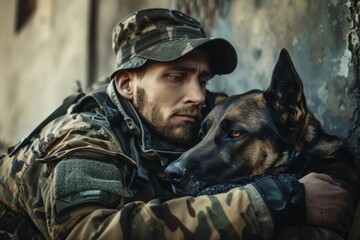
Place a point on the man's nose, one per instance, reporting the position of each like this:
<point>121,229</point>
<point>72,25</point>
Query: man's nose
<point>195,93</point>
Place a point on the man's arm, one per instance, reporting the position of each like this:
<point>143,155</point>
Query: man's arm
<point>239,213</point>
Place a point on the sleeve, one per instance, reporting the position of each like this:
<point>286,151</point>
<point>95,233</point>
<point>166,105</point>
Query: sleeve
<point>238,214</point>
<point>85,199</point>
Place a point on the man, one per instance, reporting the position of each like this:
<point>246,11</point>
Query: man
<point>97,172</point>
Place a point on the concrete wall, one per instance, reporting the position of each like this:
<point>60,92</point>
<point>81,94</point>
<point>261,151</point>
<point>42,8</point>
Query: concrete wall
<point>41,63</point>
<point>68,40</point>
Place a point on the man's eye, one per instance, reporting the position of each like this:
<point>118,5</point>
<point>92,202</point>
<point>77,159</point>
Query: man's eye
<point>176,77</point>
<point>234,134</point>
<point>203,83</point>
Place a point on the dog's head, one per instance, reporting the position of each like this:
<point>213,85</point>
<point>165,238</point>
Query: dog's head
<point>248,134</point>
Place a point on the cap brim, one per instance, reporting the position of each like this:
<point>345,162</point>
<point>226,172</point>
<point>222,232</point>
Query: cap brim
<point>223,58</point>
<point>132,63</point>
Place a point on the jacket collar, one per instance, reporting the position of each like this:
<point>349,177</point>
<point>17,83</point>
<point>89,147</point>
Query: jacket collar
<point>150,143</point>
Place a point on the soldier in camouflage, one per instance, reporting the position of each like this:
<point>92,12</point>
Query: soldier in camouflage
<point>97,172</point>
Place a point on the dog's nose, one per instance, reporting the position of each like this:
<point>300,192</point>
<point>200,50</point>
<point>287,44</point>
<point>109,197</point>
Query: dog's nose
<point>175,171</point>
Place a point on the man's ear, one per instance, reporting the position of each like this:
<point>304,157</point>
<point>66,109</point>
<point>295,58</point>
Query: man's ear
<point>124,84</point>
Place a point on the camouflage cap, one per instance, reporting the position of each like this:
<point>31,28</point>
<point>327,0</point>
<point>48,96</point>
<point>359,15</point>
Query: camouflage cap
<point>165,35</point>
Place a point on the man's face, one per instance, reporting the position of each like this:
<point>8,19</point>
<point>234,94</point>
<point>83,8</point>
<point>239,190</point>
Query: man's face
<point>170,96</point>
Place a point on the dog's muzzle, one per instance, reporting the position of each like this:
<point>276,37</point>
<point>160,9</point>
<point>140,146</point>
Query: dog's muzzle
<point>175,172</point>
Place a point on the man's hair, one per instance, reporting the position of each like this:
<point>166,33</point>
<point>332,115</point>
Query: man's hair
<point>140,71</point>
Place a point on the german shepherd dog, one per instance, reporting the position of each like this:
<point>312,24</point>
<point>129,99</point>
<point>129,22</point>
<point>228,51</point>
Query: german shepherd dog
<point>263,132</point>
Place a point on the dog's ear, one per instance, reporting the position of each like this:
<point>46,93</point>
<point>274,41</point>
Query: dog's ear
<point>285,93</point>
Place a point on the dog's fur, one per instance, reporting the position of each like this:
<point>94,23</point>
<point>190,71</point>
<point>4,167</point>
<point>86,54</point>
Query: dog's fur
<point>264,132</point>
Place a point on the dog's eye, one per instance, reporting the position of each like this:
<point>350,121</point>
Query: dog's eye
<point>234,134</point>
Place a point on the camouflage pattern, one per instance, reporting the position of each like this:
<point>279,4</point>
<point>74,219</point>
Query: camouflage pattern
<point>28,182</point>
<point>165,35</point>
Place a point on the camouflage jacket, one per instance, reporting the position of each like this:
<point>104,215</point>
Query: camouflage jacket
<point>72,182</point>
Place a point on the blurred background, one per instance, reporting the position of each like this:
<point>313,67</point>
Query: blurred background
<point>48,45</point>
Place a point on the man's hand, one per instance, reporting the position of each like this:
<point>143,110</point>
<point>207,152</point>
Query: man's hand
<point>327,204</point>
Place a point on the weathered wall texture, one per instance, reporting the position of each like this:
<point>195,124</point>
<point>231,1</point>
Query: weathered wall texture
<point>68,40</point>
<point>39,63</point>
<point>62,41</point>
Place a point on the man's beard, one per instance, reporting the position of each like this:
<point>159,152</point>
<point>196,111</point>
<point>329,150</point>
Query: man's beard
<point>153,118</point>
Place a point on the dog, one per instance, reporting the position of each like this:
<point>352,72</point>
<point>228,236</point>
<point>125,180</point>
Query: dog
<point>263,132</point>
